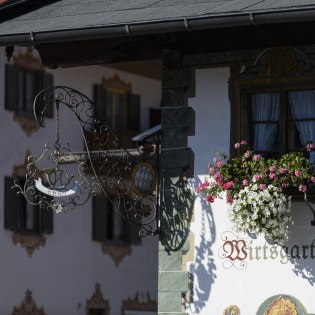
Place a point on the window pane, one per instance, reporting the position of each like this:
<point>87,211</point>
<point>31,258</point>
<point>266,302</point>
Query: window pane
<point>109,109</point>
<point>21,90</point>
<point>302,106</point>
<point>116,223</point>
<point>120,123</point>
<point>29,216</point>
<point>31,89</point>
<point>265,114</point>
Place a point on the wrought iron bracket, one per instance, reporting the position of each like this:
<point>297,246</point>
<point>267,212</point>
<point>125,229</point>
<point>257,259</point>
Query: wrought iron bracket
<point>127,177</point>
<point>311,208</point>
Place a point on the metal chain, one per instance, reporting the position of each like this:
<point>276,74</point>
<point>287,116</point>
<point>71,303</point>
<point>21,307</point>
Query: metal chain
<point>57,142</point>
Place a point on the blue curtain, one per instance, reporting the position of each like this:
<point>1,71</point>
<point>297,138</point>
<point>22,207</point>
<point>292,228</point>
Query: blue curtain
<point>265,107</point>
<point>302,105</point>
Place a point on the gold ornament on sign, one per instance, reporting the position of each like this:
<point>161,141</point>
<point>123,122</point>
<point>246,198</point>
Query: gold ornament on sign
<point>232,310</point>
<point>281,306</point>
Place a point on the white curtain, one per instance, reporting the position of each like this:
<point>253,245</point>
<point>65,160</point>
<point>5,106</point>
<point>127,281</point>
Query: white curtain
<point>265,107</point>
<point>302,105</point>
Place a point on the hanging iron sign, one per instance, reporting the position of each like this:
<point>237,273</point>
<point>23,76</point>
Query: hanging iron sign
<point>60,179</point>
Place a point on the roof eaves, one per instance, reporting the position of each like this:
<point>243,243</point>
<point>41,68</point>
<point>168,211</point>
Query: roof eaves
<point>161,26</point>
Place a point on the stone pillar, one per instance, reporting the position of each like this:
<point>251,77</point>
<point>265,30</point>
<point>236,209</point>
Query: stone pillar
<point>176,200</point>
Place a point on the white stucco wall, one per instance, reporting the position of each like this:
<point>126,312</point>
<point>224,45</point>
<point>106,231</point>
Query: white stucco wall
<point>62,274</point>
<point>267,271</point>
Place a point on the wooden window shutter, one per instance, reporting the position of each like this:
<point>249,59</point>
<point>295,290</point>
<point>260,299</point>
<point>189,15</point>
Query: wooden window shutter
<point>11,205</point>
<point>133,229</point>
<point>100,217</point>
<point>100,99</point>
<point>133,113</point>
<point>48,81</point>
<point>47,218</point>
<point>12,87</point>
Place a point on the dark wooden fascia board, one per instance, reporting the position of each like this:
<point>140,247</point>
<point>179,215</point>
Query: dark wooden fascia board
<point>222,41</point>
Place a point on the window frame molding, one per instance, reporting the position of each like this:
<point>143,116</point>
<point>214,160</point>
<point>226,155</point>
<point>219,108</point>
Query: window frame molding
<point>97,302</point>
<point>28,306</point>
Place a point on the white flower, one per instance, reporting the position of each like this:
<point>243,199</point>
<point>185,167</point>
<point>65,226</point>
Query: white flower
<point>262,211</point>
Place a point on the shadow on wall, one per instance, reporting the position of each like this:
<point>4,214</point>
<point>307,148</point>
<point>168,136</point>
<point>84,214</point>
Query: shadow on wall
<point>176,207</point>
<point>203,269</point>
<point>300,249</point>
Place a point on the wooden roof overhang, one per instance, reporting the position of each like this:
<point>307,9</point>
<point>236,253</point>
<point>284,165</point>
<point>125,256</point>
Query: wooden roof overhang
<point>223,44</point>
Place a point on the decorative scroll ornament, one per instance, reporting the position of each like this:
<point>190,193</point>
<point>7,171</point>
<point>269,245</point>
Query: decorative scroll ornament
<point>140,303</point>
<point>97,302</point>
<point>105,165</point>
<point>282,61</point>
<point>28,306</point>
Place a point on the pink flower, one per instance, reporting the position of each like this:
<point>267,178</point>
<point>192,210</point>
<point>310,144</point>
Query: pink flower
<point>205,183</point>
<point>256,157</point>
<point>210,198</point>
<point>302,188</point>
<point>215,160</point>
<point>229,199</point>
<point>256,178</point>
<point>282,170</point>
<point>244,142</point>
<point>245,182</point>
<point>310,146</point>
<point>218,179</point>
<point>272,168</point>
<point>262,186</point>
<point>298,173</point>
<point>272,175</point>
<point>247,154</point>
<point>199,189</point>
<point>312,179</point>
<point>228,185</point>
<point>211,170</point>
<point>220,164</point>
<point>237,145</point>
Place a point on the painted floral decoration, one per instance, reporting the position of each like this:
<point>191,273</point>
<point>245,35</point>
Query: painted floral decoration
<point>255,188</point>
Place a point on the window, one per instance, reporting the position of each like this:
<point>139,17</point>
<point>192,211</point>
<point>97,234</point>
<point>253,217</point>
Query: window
<point>23,217</point>
<point>109,226</point>
<point>21,87</point>
<point>118,107</point>
<point>280,121</point>
<point>273,103</point>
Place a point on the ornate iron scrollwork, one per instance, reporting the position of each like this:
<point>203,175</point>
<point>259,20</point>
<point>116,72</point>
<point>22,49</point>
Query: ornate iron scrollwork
<point>104,166</point>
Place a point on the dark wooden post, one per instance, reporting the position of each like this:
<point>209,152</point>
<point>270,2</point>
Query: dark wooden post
<point>176,164</point>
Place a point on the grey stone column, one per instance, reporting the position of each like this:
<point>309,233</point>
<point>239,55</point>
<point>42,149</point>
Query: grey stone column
<point>176,164</point>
